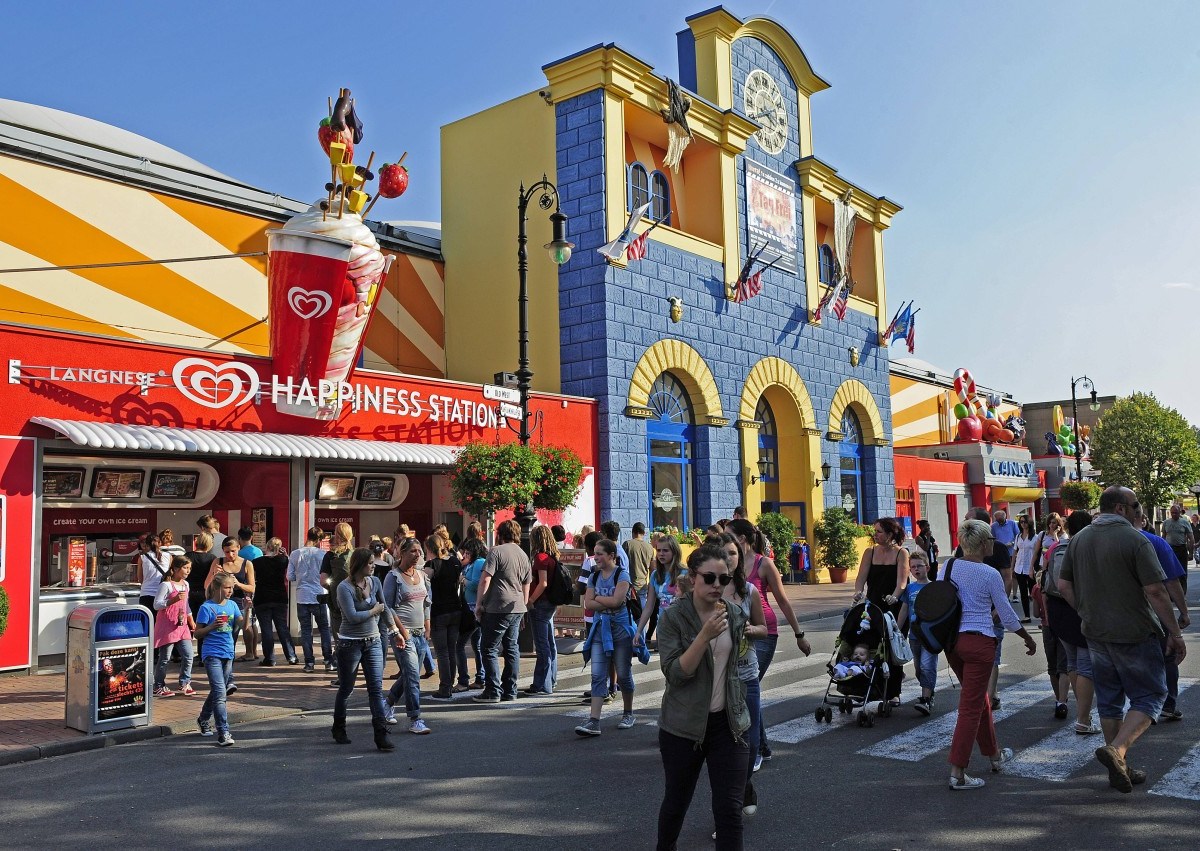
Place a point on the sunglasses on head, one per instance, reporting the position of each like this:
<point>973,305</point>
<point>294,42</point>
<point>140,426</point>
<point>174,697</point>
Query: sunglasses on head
<point>711,578</point>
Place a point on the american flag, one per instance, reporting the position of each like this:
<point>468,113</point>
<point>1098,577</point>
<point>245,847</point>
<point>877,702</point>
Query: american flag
<point>749,287</point>
<point>841,302</point>
<point>911,338</point>
<point>637,248</point>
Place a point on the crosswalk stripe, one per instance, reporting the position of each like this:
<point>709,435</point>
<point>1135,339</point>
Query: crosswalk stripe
<point>935,735</point>
<point>1183,780</point>
<point>1064,752</point>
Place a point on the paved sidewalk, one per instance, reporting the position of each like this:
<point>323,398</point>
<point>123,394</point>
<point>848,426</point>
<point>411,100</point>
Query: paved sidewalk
<point>32,707</point>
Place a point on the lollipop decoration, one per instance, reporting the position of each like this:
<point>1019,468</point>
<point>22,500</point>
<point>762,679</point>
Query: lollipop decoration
<point>978,414</point>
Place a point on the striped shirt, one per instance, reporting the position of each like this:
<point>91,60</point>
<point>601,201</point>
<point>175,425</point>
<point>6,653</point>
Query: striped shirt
<point>980,589</point>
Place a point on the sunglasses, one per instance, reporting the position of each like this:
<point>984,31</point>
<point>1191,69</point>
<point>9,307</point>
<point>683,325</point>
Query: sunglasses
<point>712,578</point>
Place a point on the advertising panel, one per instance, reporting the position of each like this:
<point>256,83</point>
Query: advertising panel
<point>771,214</point>
<point>120,683</point>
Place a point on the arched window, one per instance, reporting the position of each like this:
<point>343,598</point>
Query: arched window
<point>660,198</point>
<point>827,266</point>
<point>669,435</point>
<point>850,453</point>
<point>639,186</point>
<point>768,443</point>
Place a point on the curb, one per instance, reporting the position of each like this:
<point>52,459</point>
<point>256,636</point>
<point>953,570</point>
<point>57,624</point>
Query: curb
<point>817,616</point>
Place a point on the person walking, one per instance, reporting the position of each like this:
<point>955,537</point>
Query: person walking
<point>445,611</point>
<point>663,583</point>
<point>304,570</point>
<point>152,566</point>
<point>764,576</point>
<point>610,642</point>
<point>925,661</point>
<point>173,625</point>
<point>1025,547</point>
<point>640,555</point>
<point>544,550</point>
<point>1177,532</point>
<point>704,714</point>
<point>980,592</point>
<point>364,623</point>
<point>271,602</point>
<point>1001,559</point>
<point>928,545</point>
<point>1004,530</point>
<point>474,557</point>
<point>1061,621</point>
<point>334,568</point>
<point>407,593</point>
<point>502,602</point>
<point>215,623</point>
<point>202,557</point>
<point>242,572</point>
<point>1111,577</point>
<point>882,575</point>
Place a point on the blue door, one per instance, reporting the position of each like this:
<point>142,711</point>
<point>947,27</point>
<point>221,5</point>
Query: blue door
<point>669,436</point>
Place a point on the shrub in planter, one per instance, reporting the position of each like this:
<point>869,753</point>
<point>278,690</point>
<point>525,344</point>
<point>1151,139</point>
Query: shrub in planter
<point>834,535</point>
<point>780,531</point>
<point>1080,496</point>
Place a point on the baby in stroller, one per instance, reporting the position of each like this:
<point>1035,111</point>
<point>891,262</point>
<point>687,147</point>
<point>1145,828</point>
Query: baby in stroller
<point>859,664</point>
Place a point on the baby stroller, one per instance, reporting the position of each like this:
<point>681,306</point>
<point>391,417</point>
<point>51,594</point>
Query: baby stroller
<point>865,623</point>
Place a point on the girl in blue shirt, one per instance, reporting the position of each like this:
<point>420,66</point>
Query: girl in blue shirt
<point>216,623</point>
<point>474,557</point>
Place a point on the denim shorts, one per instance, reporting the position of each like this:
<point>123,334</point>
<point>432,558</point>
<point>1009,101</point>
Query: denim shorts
<point>1134,671</point>
<point>1079,660</point>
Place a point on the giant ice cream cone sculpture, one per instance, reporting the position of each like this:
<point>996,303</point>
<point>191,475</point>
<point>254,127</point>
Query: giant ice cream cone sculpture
<point>325,272</point>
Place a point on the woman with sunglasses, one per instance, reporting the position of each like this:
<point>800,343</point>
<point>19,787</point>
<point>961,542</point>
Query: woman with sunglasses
<point>704,714</point>
<point>611,636</point>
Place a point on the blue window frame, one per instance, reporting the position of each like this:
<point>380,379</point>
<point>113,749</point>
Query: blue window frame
<point>851,457</point>
<point>638,181</point>
<point>826,265</point>
<point>768,443</point>
<point>669,435</point>
<point>660,198</point>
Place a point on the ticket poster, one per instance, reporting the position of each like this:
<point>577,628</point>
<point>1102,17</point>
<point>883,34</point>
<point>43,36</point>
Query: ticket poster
<point>120,683</point>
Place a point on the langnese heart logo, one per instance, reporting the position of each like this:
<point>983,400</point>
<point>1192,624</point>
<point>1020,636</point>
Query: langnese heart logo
<point>309,304</point>
<point>215,385</point>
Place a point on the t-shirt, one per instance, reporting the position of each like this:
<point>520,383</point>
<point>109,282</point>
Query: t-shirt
<point>270,580</point>
<point>250,552</point>
<point>909,597</point>
<point>1176,532</point>
<point>1025,547</point>
<point>1000,558</point>
<point>722,649</point>
<point>1167,559</point>
<point>472,572</point>
<point>304,568</point>
<point>444,586</point>
<point>510,570</point>
<point>641,556</point>
<point>664,591</point>
<point>153,571</point>
<point>585,574</point>
<point>219,642</point>
<point>1006,532</point>
<point>1108,564</point>
<point>409,603</point>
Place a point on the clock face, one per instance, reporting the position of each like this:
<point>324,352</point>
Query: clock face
<point>764,104</point>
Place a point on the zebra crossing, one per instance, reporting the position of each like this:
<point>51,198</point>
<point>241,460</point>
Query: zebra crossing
<point>794,687</point>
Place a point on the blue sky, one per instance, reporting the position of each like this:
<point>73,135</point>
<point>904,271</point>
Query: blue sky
<point>1045,153</point>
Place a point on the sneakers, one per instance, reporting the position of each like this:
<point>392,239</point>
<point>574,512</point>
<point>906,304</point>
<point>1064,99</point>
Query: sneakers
<point>626,722</point>
<point>924,705</point>
<point>1060,711</point>
<point>224,739</point>
<point>428,674</point>
<point>309,667</point>
<point>206,727</point>
<point>533,692</point>
<point>418,728</point>
<point>187,690</point>
<point>486,698</point>
<point>996,704</point>
<point>590,727</point>
<point>758,761</point>
<point>392,719</point>
<point>957,784</point>
<point>460,688</point>
<point>230,690</point>
<point>765,752</point>
<point>266,663</point>
<point>750,804</point>
<point>608,698</point>
<point>329,666</point>
<point>293,661</point>
<point>441,694</point>
<point>999,759</point>
<point>163,691</point>
<point>1169,713</point>
<point>1118,772</point>
<point>1088,729</point>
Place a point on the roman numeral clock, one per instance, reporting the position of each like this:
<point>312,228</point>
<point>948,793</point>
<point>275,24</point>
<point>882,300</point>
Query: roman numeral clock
<point>764,104</point>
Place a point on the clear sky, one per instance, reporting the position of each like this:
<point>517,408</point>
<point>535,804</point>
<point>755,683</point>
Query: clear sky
<point>1045,153</point>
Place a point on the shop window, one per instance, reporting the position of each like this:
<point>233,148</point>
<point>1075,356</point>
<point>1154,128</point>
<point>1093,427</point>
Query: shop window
<point>669,436</point>
<point>768,443</point>
<point>660,198</point>
<point>827,266</point>
<point>639,186</point>
<point>851,456</point>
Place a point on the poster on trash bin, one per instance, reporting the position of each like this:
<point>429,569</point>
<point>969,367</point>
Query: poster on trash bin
<point>120,683</point>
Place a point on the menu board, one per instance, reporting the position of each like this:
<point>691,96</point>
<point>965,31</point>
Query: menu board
<point>335,488</point>
<point>180,484</point>
<point>62,482</point>
<point>260,522</point>
<point>376,489</point>
<point>110,483</point>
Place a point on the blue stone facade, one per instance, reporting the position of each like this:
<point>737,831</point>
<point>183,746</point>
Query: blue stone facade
<point>609,316</point>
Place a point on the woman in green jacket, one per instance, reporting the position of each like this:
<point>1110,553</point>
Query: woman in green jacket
<point>704,716</point>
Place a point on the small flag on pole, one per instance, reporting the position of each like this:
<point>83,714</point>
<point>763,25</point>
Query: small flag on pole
<point>749,287</point>
<point>842,301</point>
<point>613,250</point>
<point>637,249</point>
<point>911,337</point>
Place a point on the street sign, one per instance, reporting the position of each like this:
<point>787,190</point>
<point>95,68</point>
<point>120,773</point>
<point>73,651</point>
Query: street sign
<point>501,394</point>
<point>512,412</point>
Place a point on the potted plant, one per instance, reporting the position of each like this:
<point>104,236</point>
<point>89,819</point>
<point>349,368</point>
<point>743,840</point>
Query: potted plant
<point>1080,496</point>
<point>835,534</point>
<point>781,532</point>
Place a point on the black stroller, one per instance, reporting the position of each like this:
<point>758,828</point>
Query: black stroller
<point>865,623</point>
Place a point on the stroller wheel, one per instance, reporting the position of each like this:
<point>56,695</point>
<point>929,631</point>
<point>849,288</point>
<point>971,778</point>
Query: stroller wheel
<point>819,714</point>
<point>828,715</point>
<point>862,718</point>
<point>870,721</point>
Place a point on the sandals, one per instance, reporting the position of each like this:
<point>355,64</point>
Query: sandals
<point>999,759</point>
<point>957,784</point>
<point>1086,729</point>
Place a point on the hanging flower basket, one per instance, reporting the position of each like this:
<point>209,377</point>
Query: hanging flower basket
<point>490,478</point>
<point>562,476</point>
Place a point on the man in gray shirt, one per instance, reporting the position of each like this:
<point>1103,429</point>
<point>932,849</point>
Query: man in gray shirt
<point>1177,532</point>
<point>502,601</point>
<point>641,556</point>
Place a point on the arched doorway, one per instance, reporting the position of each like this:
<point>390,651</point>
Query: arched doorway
<point>850,454</point>
<point>670,434</point>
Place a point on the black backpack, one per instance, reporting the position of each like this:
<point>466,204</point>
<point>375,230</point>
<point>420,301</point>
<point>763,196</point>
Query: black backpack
<point>939,612</point>
<point>561,590</point>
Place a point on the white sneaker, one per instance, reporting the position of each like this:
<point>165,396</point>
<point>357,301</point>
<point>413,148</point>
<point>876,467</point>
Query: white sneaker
<point>758,761</point>
<point>626,722</point>
<point>418,728</point>
<point>967,782</point>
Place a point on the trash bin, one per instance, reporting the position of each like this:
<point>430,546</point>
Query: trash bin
<point>110,656</point>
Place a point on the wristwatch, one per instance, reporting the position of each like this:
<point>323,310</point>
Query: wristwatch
<point>800,635</point>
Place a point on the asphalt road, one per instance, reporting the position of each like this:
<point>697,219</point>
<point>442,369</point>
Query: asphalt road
<point>515,776</point>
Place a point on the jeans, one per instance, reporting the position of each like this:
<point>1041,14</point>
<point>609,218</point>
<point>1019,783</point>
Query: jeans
<point>545,670</point>
<point>220,671</point>
<point>369,652</point>
<point>271,618</point>
<point>1079,660</point>
<point>621,659</point>
<point>971,660</point>
<point>409,684</point>
<point>754,734</point>
<point>925,661</point>
<point>1133,671</point>
<point>163,657</point>
<point>445,639</point>
<point>472,638</point>
<point>728,761</point>
<point>1025,584</point>
<point>764,648</point>
<point>500,635</point>
<point>307,612</point>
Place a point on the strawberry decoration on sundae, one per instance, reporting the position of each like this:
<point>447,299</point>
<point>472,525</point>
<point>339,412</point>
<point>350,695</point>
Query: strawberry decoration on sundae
<point>325,270</point>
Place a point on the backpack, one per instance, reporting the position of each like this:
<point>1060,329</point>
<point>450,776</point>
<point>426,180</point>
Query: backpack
<point>632,604</point>
<point>939,612</point>
<point>1054,570</point>
<point>561,590</point>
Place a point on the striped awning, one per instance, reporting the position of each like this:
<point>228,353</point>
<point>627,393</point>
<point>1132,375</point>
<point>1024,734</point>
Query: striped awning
<point>142,438</point>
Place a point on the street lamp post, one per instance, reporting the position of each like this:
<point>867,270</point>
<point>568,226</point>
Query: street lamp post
<point>560,253</point>
<point>1094,405</point>
<point>1195,489</point>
